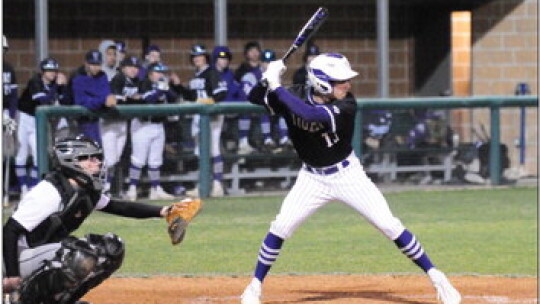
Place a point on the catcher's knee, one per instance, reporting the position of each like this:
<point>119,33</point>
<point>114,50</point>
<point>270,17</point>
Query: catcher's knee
<point>74,261</point>
<point>110,249</point>
<point>79,265</point>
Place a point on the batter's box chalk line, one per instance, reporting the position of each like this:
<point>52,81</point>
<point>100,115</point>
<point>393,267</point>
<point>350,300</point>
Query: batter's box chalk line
<point>486,299</point>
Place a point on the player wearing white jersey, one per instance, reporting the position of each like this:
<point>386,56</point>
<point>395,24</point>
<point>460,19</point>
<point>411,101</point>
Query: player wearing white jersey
<point>320,118</point>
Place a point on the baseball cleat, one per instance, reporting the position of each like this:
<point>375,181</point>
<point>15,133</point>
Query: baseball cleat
<point>446,293</point>
<point>193,192</point>
<point>217,189</point>
<point>131,194</point>
<point>252,293</point>
<point>157,193</point>
<point>245,148</point>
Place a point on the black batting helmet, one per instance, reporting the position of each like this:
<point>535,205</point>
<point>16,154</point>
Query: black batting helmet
<point>49,64</point>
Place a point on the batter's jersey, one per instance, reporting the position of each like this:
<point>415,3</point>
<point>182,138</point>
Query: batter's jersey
<point>38,93</point>
<point>318,144</point>
<point>124,88</point>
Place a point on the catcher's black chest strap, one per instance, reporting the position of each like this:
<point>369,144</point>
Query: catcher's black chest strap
<point>76,205</point>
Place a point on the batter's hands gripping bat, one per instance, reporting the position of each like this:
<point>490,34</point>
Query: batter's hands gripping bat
<point>307,31</point>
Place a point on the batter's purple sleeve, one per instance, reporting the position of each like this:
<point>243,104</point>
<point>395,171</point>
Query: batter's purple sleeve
<point>300,108</point>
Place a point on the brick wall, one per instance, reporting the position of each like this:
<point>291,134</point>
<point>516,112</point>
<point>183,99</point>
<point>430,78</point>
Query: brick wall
<point>77,26</point>
<point>505,39</point>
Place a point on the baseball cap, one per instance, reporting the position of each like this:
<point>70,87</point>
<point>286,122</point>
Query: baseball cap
<point>221,52</point>
<point>158,67</point>
<point>153,48</point>
<point>131,61</point>
<point>120,46</point>
<point>93,57</point>
<point>49,64</point>
<point>198,49</point>
<point>268,55</point>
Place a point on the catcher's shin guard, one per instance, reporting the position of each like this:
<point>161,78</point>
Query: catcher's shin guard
<point>110,252</point>
<point>73,262</point>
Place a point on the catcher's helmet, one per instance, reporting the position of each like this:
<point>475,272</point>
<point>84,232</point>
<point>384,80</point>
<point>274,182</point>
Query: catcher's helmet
<point>69,151</point>
<point>268,55</point>
<point>326,68</point>
<point>49,64</point>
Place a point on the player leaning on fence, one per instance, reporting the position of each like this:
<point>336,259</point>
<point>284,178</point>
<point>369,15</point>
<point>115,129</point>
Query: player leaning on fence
<point>320,118</point>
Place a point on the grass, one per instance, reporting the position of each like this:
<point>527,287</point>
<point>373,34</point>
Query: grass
<point>490,231</point>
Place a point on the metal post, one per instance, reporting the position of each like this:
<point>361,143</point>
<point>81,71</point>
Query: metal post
<point>42,135</point>
<point>495,147</point>
<point>357,137</point>
<point>382,47</point>
<point>205,169</point>
<point>220,22</point>
<point>41,30</point>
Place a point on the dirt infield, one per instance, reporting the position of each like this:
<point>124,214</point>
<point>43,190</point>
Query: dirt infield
<point>333,289</point>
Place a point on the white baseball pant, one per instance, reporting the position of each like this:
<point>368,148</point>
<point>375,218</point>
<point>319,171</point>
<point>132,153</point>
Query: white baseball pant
<point>113,137</point>
<point>26,135</point>
<point>216,124</point>
<point>349,185</point>
<point>147,143</point>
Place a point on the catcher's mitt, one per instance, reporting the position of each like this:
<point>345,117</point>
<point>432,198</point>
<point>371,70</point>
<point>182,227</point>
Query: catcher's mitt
<point>180,215</point>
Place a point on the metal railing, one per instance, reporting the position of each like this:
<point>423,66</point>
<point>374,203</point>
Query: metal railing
<point>494,103</point>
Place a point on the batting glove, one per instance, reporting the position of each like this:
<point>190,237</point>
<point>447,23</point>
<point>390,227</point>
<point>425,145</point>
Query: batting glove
<point>273,73</point>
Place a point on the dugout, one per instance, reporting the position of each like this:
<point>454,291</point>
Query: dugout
<point>502,44</point>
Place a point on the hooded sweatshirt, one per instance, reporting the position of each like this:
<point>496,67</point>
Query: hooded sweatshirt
<point>110,71</point>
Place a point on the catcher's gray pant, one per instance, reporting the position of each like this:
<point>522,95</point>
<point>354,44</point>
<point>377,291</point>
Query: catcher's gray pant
<point>31,259</point>
<point>349,185</point>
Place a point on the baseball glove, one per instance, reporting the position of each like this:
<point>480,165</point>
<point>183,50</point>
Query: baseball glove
<point>206,100</point>
<point>179,215</point>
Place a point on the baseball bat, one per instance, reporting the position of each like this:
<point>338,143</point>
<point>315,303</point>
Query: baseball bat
<point>307,31</point>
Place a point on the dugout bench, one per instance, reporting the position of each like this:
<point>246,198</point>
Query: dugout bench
<point>389,166</point>
<point>493,103</point>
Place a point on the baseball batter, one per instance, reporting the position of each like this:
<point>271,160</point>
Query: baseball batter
<point>320,118</point>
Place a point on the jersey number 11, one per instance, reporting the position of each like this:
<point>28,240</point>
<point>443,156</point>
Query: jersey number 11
<point>330,138</point>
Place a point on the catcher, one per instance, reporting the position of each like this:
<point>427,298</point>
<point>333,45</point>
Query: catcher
<point>43,263</point>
